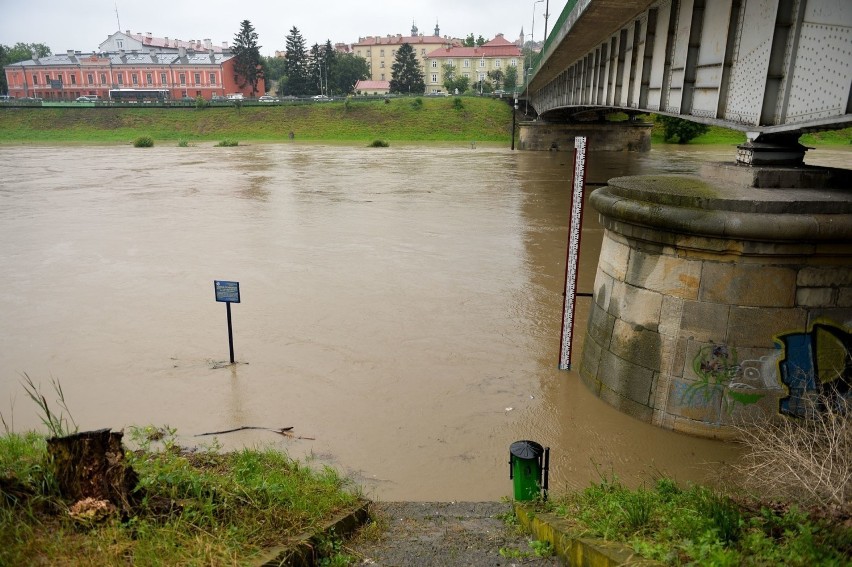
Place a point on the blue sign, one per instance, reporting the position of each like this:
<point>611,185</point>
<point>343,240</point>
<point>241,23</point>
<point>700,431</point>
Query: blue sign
<point>228,292</point>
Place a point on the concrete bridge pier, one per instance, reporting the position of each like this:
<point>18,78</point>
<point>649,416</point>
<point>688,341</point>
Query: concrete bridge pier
<point>722,296</point>
<point>630,136</point>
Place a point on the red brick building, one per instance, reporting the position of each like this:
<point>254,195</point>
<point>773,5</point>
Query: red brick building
<point>182,73</point>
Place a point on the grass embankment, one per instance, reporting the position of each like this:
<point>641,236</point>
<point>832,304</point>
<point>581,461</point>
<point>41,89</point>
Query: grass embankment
<point>432,119</point>
<point>199,508</point>
<point>698,526</point>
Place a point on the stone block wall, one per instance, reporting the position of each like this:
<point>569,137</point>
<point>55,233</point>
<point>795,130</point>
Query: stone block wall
<point>697,331</point>
<point>601,136</point>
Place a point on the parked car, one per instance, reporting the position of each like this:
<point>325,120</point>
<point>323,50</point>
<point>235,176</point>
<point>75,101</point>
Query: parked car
<point>320,98</point>
<point>267,98</point>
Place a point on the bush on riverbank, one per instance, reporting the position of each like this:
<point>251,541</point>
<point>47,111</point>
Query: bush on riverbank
<point>199,507</point>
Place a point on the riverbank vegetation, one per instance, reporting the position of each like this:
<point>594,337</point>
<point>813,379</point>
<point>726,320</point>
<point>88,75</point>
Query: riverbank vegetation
<point>201,507</point>
<point>699,526</point>
<point>355,119</point>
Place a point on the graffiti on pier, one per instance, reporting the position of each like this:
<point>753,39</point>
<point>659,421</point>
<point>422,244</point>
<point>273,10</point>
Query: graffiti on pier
<point>718,372</point>
<point>816,368</point>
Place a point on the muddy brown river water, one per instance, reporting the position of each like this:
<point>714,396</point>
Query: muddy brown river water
<point>400,306</point>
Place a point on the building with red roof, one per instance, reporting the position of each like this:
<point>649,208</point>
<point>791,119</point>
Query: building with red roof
<point>472,62</point>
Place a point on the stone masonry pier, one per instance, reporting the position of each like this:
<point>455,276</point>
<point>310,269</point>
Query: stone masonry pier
<point>722,295</point>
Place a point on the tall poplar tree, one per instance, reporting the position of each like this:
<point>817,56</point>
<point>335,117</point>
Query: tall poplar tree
<point>296,65</point>
<point>248,68</point>
<point>406,76</point>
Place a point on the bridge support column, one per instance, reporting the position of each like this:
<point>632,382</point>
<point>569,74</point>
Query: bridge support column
<point>602,136</point>
<point>722,296</point>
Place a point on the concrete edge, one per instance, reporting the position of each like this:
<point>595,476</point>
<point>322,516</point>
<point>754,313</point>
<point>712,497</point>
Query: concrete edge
<point>299,551</point>
<point>576,551</point>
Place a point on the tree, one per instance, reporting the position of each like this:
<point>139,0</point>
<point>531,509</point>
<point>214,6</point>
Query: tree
<point>297,80</point>
<point>348,69</point>
<point>496,77</point>
<point>453,82</point>
<point>510,80</point>
<point>480,41</point>
<point>248,67</point>
<point>20,52</point>
<point>406,76</point>
<point>469,41</point>
<point>683,130</point>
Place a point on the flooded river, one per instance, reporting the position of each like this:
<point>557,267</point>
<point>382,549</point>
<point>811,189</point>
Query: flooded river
<point>400,306</point>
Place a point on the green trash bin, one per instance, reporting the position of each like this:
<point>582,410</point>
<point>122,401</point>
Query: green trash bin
<point>528,469</point>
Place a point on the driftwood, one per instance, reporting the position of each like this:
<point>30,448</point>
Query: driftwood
<point>91,464</point>
<point>285,431</point>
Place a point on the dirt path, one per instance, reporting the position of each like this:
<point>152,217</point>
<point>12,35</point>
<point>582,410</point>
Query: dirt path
<point>444,534</point>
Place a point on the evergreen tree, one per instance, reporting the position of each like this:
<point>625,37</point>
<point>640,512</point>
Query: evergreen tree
<point>406,76</point>
<point>296,65</point>
<point>248,68</point>
<point>329,62</point>
<point>315,61</point>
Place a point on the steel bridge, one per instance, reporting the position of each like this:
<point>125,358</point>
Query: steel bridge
<point>773,69</point>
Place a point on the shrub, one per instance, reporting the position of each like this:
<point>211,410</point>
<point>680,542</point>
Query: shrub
<point>227,144</point>
<point>805,460</point>
<point>183,143</point>
<point>458,104</point>
<point>201,102</point>
<point>378,144</point>
<point>683,130</point>
<point>417,103</point>
<point>143,142</point>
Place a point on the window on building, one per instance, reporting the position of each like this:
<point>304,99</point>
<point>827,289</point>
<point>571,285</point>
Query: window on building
<point>149,78</point>
<point>103,78</point>
<point>183,94</point>
<point>35,79</point>
<point>434,77</point>
<point>497,63</point>
<point>481,76</point>
<point>393,52</point>
<point>382,64</point>
<point>466,63</point>
<point>73,79</point>
<point>514,63</point>
<point>482,62</point>
<point>163,79</point>
<point>198,78</point>
<point>182,78</point>
<point>212,78</point>
<point>134,78</point>
<point>383,77</point>
<point>450,62</point>
<point>368,53</point>
<point>119,43</point>
<point>466,75</point>
<point>423,52</point>
<point>119,79</point>
<point>381,53</point>
<point>90,79</point>
<point>434,63</point>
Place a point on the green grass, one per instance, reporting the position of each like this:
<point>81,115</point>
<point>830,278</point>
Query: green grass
<point>355,120</point>
<point>697,525</point>
<point>199,508</point>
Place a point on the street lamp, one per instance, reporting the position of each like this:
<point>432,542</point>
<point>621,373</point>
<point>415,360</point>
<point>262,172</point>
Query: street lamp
<point>529,68</point>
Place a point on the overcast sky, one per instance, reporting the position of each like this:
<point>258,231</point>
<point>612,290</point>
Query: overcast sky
<point>83,24</point>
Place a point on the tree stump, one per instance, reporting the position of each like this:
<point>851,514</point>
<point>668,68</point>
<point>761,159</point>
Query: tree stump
<point>91,464</point>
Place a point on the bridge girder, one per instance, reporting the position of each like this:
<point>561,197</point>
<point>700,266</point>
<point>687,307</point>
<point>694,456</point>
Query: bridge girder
<point>765,67</point>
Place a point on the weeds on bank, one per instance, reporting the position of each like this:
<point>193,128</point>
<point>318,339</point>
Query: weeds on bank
<point>197,507</point>
<point>227,144</point>
<point>143,142</point>
<point>697,525</point>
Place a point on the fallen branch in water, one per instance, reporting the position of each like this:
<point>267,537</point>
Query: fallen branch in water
<point>285,431</point>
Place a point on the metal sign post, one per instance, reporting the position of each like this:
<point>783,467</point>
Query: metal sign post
<point>572,260</point>
<point>228,292</point>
